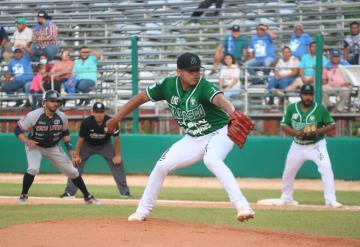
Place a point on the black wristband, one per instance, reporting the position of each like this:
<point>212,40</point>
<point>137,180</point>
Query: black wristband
<point>68,146</point>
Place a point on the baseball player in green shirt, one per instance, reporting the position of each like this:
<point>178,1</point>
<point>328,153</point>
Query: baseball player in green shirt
<point>202,110</point>
<point>308,121</point>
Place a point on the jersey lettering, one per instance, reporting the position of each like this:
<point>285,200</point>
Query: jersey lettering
<point>174,100</point>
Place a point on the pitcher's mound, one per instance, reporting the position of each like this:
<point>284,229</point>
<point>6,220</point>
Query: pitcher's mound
<point>157,233</point>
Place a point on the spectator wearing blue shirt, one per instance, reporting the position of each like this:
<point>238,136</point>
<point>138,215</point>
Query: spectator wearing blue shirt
<point>85,71</point>
<point>308,63</point>
<point>261,52</point>
<point>19,71</point>
<point>234,44</point>
<point>299,41</point>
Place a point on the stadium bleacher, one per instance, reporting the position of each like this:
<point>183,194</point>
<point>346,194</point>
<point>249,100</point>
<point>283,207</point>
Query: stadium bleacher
<point>165,29</point>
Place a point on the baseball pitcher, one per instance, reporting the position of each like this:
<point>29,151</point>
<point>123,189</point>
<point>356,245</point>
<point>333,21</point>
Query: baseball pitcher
<point>203,111</point>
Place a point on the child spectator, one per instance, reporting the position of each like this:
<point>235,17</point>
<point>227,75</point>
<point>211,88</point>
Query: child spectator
<point>36,86</point>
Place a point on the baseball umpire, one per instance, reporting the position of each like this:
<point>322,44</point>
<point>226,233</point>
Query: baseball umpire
<point>93,139</point>
<point>46,127</point>
<point>308,121</point>
<point>208,118</point>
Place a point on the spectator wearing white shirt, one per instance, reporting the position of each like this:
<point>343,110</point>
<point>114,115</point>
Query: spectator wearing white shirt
<point>286,71</point>
<point>229,81</point>
<point>22,36</point>
<point>352,44</point>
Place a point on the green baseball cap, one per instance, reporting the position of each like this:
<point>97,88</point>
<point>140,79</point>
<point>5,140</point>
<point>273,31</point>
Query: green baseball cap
<point>21,20</point>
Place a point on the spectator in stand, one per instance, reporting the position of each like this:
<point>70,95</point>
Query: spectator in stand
<point>206,4</point>
<point>36,87</point>
<point>3,41</point>
<point>352,44</point>
<point>48,67</point>
<point>22,36</point>
<point>85,70</point>
<point>234,44</point>
<point>286,72</point>
<point>45,40</point>
<point>46,82</point>
<point>333,82</point>
<point>300,41</point>
<point>19,71</point>
<point>307,66</point>
<point>61,71</point>
<point>229,81</point>
<point>261,52</point>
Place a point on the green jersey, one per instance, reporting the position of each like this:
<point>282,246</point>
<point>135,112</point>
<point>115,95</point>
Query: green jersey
<point>317,115</point>
<point>193,109</point>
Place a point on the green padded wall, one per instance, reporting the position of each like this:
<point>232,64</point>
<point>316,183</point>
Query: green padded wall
<point>262,157</point>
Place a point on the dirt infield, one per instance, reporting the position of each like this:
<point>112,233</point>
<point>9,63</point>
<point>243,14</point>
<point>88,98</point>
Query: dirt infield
<point>12,200</point>
<point>180,181</point>
<point>159,233</point>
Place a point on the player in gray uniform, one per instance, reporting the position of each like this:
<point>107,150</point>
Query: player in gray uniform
<point>93,139</point>
<point>46,127</point>
<point>203,111</point>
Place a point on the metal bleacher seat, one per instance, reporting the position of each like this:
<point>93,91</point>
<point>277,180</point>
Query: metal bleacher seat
<point>165,30</point>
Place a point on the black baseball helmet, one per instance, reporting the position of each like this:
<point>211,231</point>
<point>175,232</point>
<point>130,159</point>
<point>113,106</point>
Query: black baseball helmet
<point>51,95</point>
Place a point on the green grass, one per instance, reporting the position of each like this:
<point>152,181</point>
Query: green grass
<point>200,194</point>
<point>326,223</point>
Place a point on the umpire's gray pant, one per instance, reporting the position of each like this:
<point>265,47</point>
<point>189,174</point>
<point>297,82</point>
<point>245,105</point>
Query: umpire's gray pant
<point>55,154</point>
<point>107,152</point>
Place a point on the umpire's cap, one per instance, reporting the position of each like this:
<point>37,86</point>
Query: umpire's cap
<point>51,95</point>
<point>189,62</point>
<point>98,107</point>
<point>307,89</point>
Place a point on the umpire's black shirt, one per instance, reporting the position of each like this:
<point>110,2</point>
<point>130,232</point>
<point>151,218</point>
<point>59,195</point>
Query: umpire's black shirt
<point>93,133</point>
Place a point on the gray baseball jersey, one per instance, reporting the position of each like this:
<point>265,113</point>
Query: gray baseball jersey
<point>44,130</point>
<point>47,132</point>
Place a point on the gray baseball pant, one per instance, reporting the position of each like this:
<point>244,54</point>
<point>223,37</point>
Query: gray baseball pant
<point>55,154</point>
<point>107,152</point>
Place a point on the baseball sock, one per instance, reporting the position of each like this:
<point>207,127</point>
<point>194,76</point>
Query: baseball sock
<point>79,182</point>
<point>28,179</point>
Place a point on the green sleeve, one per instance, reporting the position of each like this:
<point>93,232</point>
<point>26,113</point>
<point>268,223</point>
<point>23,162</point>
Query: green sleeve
<point>327,118</point>
<point>208,91</point>
<point>286,119</point>
<point>155,92</point>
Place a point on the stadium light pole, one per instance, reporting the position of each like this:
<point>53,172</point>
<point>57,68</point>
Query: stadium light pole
<point>318,68</point>
<point>135,77</point>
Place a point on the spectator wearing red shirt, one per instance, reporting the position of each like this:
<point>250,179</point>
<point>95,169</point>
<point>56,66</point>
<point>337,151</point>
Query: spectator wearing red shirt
<point>334,83</point>
<point>45,40</point>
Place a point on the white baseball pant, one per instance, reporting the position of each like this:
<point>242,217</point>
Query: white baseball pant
<point>212,148</point>
<point>55,154</point>
<point>297,155</point>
